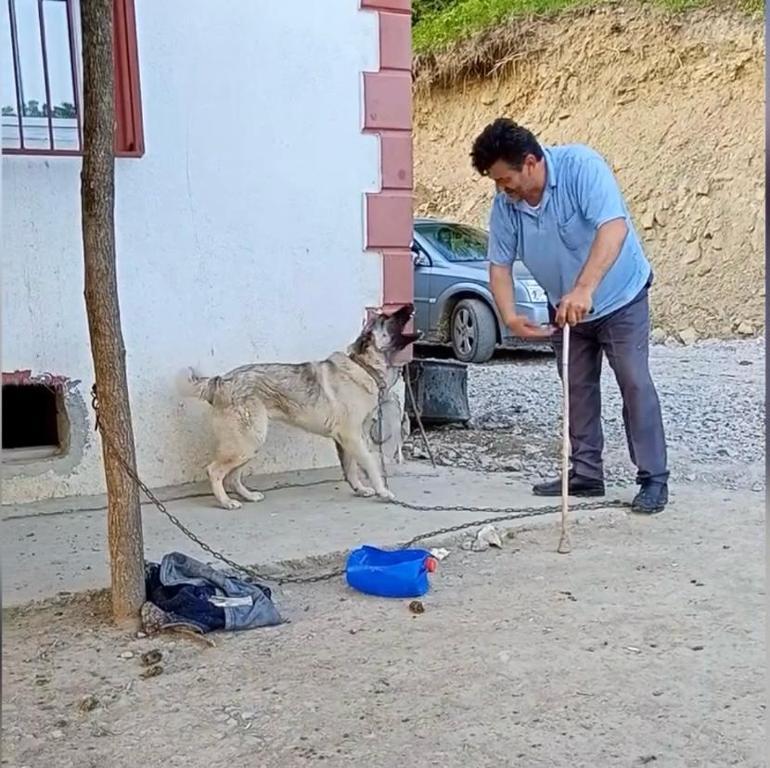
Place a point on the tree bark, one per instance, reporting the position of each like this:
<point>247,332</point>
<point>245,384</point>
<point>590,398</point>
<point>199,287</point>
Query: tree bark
<point>124,523</point>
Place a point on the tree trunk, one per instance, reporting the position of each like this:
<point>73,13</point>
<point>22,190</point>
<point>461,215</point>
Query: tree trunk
<point>124,523</point>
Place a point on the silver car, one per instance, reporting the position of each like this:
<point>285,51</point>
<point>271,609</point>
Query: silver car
<point>452,299</point>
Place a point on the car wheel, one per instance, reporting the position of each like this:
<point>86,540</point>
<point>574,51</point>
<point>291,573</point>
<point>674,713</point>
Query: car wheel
<point>474,331</point>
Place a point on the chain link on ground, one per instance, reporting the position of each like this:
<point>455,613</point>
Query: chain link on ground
<point>500,514</point>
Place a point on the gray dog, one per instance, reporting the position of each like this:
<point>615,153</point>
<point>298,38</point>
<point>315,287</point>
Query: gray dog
<point>333,398</point>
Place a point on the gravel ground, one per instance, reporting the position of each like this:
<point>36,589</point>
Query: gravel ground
<point>644,647</point>
<point>713,400</point>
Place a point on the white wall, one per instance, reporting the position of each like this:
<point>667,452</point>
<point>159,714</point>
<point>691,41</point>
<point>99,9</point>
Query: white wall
<point>239,234</point>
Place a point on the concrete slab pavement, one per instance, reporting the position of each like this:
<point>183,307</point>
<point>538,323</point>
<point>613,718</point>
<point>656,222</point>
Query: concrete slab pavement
<point>62,546</point>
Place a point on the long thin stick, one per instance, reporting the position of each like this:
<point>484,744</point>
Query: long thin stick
<point>565,547</point>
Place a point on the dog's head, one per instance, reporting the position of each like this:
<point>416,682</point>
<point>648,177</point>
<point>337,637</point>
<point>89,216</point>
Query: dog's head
<point>384,333</point>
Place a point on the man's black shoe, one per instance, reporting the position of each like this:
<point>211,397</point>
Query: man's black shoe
<point>651,499</point>
<point>578,486</point>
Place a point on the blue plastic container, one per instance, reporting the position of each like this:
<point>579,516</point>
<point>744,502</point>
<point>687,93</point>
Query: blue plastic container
<point>403,573</point>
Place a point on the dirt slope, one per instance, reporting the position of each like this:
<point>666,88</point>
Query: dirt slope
<point>675,104</point>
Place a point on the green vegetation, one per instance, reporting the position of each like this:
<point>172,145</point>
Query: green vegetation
<point>438,24</point>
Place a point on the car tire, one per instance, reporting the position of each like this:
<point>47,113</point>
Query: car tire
<point>473,331</point>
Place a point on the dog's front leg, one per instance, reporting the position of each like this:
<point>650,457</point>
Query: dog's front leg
<point>350,472</point>
<point>369,464</point>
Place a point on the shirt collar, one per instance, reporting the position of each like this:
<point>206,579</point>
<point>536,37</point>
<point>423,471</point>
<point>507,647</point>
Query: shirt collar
<point>551,170</point>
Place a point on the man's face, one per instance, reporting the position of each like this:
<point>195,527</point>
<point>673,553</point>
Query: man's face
<point>525,183</point>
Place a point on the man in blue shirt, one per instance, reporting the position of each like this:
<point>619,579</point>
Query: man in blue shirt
<point>560,210</point>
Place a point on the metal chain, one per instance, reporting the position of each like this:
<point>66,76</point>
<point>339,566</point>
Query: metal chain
<point>501,514</point>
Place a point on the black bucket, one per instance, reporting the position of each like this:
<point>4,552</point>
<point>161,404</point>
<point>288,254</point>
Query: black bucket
<point>440,390</point>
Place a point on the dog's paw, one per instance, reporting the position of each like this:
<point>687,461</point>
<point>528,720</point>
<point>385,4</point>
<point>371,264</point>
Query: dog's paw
<point>387,495</point>
<point>364,492</point>
<point>251,495</point>
<point>232,504</point>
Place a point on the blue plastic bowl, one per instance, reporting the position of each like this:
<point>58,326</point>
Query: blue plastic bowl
<point>383,573</point>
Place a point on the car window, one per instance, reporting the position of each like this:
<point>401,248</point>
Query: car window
<point>457,243</point>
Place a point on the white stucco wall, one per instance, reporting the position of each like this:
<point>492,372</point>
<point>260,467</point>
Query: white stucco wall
<point>239,233</point>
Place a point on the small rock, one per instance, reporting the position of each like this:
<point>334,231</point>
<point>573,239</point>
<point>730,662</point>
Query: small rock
<point>416,607</point>
<point>692,254</point>
<point>152,671</point>
<point>485,538</point>
<point>661,218</point>
<point>658,336</point>
<point>688,336</point>
<point>127,655</point>
<point>88,704</point>
<point>648,220</point>
<point>151,657</point>
<point>57,734</point>
<point>703,188</point>
<point>704,269</point>
<point>696,648</point>
<point>745,329</point>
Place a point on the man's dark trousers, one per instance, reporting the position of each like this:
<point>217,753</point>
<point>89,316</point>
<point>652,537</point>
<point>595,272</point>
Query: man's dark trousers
<point>623,336</point>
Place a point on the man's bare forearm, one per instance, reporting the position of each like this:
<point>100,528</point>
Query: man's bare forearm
<point>604,251</point>
<point>501,284</point>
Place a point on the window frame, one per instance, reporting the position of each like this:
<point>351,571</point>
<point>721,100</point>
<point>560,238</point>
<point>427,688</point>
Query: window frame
<point>129,123</point>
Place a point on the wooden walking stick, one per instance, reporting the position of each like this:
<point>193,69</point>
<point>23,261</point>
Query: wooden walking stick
<point>565,547</point>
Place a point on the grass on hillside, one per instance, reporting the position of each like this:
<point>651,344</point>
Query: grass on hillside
<point>444,22</point>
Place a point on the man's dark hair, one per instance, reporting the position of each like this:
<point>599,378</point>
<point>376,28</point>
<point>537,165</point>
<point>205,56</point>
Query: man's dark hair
<point>503,140</point>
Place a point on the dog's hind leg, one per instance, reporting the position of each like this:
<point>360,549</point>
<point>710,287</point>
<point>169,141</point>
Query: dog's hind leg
<point>350,471</point>
<point>217,471</point>
<point>240,433</point>
<point>236,481</point>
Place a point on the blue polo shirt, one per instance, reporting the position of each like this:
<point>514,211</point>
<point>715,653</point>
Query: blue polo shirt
<point>553,239</point>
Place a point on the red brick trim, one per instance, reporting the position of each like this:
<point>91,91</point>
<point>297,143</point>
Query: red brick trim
<point>387,112</point>
<point>388,5</point>
<point>20,378</point>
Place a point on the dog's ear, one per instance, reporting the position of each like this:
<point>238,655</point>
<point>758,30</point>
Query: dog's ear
<point>399,319</point>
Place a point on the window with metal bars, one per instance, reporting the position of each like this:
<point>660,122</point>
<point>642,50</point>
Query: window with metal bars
<point>41,85</point>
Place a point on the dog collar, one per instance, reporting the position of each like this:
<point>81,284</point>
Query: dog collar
<point>378,380</point>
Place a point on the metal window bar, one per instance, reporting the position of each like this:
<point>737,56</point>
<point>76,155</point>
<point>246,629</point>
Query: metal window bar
<point>58,129</point>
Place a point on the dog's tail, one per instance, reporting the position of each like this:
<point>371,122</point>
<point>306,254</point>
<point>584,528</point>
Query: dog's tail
<point>191,384</point>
